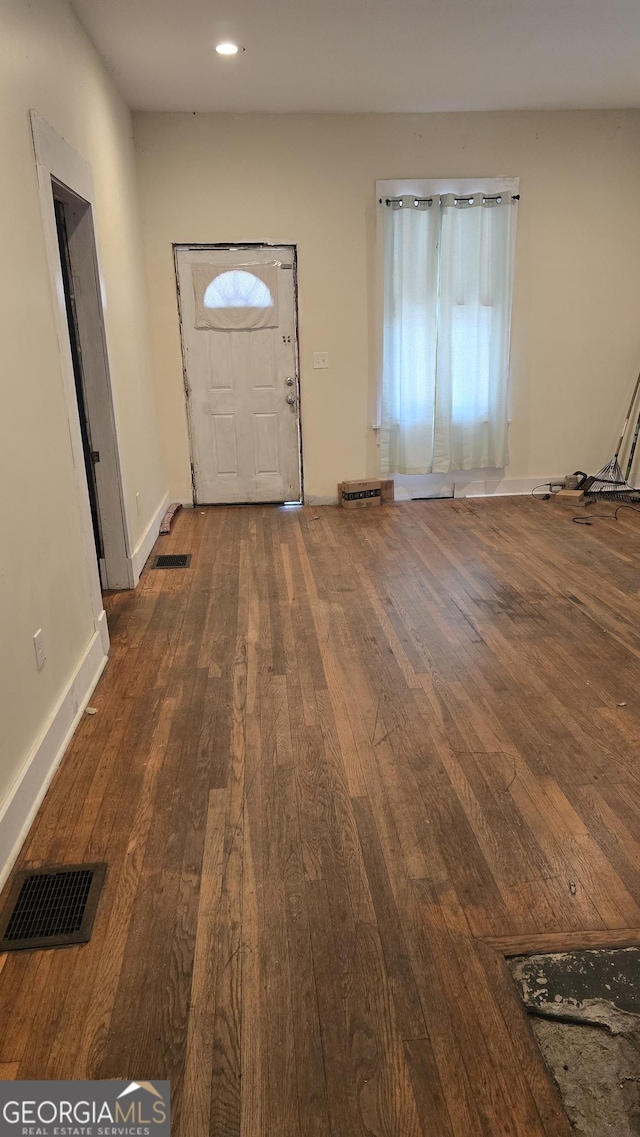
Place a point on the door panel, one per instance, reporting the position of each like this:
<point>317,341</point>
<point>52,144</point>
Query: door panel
<point>224,441</point>
<point>265,443</point>
<point>245,435</point>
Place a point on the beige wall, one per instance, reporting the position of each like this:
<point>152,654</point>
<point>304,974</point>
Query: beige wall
<point>310,179</point>
<point>47,63</point>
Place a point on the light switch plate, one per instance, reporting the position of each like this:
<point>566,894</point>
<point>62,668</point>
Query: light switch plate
<point>40,649</point>
<point>320,359</point>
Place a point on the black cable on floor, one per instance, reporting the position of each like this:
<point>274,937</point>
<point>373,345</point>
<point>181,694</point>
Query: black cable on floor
<point>603,516</point>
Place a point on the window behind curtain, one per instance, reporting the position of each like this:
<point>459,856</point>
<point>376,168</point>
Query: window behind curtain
<point>447,285</point>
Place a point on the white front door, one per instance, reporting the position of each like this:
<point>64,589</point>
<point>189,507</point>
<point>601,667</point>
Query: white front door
<point>238,319</point>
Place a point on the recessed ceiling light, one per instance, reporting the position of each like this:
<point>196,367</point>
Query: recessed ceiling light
<point>228,48</point>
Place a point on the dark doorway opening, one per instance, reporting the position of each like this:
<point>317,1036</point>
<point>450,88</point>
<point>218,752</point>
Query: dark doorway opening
<point>91,455</point>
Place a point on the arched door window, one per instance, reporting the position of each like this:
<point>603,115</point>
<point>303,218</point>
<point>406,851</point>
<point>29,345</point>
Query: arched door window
<point>237,289</point>
<point>236,299</point>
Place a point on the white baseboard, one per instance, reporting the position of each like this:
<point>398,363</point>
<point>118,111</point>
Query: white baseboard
<point>139,557</point>
<point>103,628</point>
<point>313,499</point>
<point>457,484</point>
<point>32,783</point>
<point>498,487</point>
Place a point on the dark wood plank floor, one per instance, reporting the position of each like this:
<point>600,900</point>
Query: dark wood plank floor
<point>339,766</point>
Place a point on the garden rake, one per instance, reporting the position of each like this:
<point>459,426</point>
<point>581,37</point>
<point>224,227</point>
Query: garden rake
<point>610,483</point>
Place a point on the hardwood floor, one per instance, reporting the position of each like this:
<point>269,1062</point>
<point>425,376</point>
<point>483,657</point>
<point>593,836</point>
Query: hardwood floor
<point>340,766</point>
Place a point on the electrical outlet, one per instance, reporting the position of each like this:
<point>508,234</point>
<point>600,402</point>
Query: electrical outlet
<point>40,649</point>
<point>138,503</point>
<point>321,359</point>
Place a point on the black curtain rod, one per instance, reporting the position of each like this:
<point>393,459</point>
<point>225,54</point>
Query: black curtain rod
<point>486,196</point>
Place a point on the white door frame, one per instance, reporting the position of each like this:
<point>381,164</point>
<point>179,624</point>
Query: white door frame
<point>240,246</point>
<point>57,161</point>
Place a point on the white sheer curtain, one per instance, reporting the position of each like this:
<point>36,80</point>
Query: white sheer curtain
<point>409,338</point>
<point>448,272</point>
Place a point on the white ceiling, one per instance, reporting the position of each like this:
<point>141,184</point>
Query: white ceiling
<point>370,55</point>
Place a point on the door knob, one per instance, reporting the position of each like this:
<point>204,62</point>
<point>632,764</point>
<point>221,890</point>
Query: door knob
<point>289,381</point>
<point>291,400</point>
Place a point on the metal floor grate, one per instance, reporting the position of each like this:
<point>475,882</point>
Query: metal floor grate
<point>51,907</point>
<point>171,560</point>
